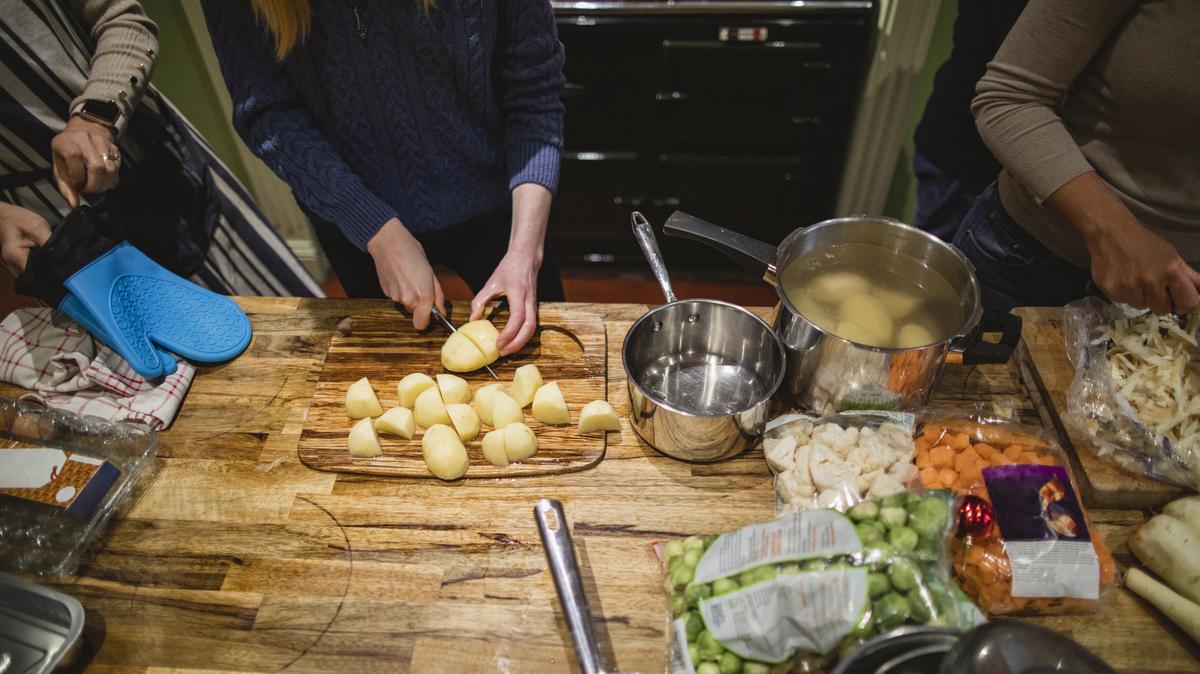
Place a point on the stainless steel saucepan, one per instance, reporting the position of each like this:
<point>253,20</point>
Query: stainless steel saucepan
<point>827,373</point>
<point>701,373</point>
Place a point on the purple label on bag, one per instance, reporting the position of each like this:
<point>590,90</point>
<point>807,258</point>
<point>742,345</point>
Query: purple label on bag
<point>1035,503</point>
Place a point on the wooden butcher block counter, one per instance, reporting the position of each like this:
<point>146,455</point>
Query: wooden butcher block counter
<point>236,556</point>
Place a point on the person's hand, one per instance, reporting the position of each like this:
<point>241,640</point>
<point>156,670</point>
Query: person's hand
<point>21,230</point>
<point>86,159</point>
<point>515,278</point>
<point>1135,266</point>
<point>404,272</point>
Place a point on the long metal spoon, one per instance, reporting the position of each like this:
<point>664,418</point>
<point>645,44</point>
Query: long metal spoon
<point>560,552</point>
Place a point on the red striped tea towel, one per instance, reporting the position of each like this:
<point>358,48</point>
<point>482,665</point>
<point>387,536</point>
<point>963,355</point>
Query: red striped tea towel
<point>45,350</point>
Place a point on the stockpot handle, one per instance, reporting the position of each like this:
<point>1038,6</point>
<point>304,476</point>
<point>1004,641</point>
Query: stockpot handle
<point>747,252</point>
<point>560,552</point>
<point>978,351</point>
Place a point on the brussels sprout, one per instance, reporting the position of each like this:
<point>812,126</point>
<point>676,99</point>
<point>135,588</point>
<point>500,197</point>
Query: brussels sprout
<point>708,668</point>
<point>730,663</point>
<point>867,510</point>
<point>911,498</point>
<point>891,610</point>
<point>764,573</point>
<point>673,548</point>
<point>904,574</point>
<point>692,557</point>
<point>871,531</point>
<point>755,668</point>
<point>928,550</point>
<point>903,539</point>
<point>694,625</point>
<point>746,578</point>
<point>920,607</point>
<point>694,654</point>
<point>878,555</point>
<point>894,501</point>
<point>893,516</point>
<point>693,543</point>
<point>878,585</point>
<point>935,508</point>
<point>865,626</point>
<point>710,648</point>
<point>679,605</point>
<point>722,586</point>
<point>789,570</point>
<point>683,575</point>
<point>674,563</point>
<point>927,528</point>
<point>694,592</point>
<point>815,565</point>
<point>709,540</point>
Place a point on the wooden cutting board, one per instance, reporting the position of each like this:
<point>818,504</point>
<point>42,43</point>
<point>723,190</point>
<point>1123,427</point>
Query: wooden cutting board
<point>569,348</point>
<point>1047,373</point>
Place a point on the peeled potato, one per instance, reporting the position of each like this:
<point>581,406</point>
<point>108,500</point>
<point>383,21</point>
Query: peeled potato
<point>549,406</point>
<point>361,401</point>
<point>854,332</point>
<point>525,384</point>
<point>464,420</point>
<point>454,389</point>
<point>459,354</point>
<point>363,441</point>
<point>833,287</point>
<point>598,415</point>
<point>483,335</point>
<point>444,453</point>
<point>483,402</point>
<point>505,410</point>
<point>913,335</point>
<point>871,317</point>
<point>493,449</point>
<point>412,386</point>
<point>519,442</point>
<point>899,303</point>
<point>430,410</point>
<point>397,421</point>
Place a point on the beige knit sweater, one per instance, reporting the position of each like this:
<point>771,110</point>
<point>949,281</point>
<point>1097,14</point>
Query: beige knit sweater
<point>1105,85</point>
<point>126,46</point>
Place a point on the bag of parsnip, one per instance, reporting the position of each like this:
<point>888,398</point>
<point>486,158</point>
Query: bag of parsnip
<point>1026,544</point>
<point>804,590</point>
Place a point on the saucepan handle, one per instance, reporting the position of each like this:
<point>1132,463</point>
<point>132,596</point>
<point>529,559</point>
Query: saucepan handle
<point>747,252</point>
<point>978,351</point>
<point>560,552</point>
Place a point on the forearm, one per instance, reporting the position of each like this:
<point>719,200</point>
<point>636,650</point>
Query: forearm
<point>1090,207</point>
<point>531,215</point>
<point>126,46</point>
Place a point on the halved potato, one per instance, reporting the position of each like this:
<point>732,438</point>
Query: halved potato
<point>454,389</point>
<point>483,402</point>
<point>430,410</point>
<point>361,401</point>
<point>464,420</point>
<point>483,335</point>
<point>363,441</point>
<point>459,354</point>
<point>505,410</point>
<point>598,415</point>
<point>519,442</point>
<point>411,386</point>
<point>444,453</point>
<point>549,407</point>
<point>397,421</point>
<point>493,448</point>
<point>525,384</point>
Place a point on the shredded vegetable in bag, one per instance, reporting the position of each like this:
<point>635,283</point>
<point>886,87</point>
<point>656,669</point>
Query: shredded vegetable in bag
<point>1026,544</point>
<point>796,594</point>
<point>1136,391</point>
<point>839,460</point>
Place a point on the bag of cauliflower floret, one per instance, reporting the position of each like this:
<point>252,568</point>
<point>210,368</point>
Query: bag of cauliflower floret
<point>839,460</point>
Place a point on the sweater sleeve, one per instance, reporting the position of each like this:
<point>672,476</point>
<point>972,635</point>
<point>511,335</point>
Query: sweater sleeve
<point>278,128</point>
<point>1017,100</point>
<point>126,45</point>
<point>529,77</point>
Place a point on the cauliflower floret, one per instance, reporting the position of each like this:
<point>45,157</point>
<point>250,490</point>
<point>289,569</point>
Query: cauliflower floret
<point>838,439</point>
<point>829,471</point>
<point>780,453</point>
<point>831,498</point>
<point>903,471</point>
<point>865,480</point>
<point>885,485</point>
<point>794,487</point>
<point>800,429</point>
<point>868,458</point>
<point>894,435</point>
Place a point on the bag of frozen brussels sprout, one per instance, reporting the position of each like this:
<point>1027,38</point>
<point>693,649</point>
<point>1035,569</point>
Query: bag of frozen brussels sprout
<point>806,589</point>
<point>839,460</point>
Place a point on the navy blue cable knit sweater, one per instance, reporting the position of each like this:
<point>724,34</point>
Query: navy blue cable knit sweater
<point>433,118</point>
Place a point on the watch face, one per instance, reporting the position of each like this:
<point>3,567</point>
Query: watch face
<point>101,111</point>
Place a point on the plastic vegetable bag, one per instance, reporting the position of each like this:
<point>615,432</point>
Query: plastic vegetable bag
<point>796,594</point>
<point>1136,391</point>
<point>839,460</point>
<point>1026,545</point>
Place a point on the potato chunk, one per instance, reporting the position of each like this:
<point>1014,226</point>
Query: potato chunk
<point>454,389</point>
<point>483,402</point>
<point>519,442</point>
<point>361,401</point>
<point>483,335</point>
<point>493,449</point>
<point>525,384</point>
<point>397,421</point>
<point>412,386</point>
<point>598,415</point>
<point>459,354</point>
<point>444,453</point>
<point>549,406</point>
<point>464,419</point>
<point>363,441</point>
<point>430,410</point>
<point>505,410</point>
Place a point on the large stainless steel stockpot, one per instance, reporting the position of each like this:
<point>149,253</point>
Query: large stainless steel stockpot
<point>827,373</point>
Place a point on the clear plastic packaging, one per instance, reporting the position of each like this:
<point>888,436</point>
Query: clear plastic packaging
<point>46,539</point>
<point>839,460</point>
<point>1026,545</point>
<point>1136,391</point>
<point>799,593</point>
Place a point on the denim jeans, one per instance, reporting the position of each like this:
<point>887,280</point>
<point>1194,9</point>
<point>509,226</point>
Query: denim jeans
<point>942,201</point>
<point>1015,269</point>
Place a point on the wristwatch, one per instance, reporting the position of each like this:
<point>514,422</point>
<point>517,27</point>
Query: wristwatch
<point>107,113</point>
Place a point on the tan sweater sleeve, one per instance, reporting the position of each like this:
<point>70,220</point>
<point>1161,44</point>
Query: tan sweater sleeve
<point>126,46</point>
<point>1017,100</point>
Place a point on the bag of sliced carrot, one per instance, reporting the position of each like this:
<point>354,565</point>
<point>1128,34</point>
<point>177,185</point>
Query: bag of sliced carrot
<point>1026,547</point>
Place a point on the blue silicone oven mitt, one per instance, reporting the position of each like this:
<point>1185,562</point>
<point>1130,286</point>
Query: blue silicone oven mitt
<point>72,307</point>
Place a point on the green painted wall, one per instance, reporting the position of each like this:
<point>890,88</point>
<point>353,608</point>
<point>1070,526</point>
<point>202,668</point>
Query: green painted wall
<point>902,196</point>
<point>180,74</point>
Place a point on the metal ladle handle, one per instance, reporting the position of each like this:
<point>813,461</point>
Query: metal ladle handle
<point>644,233</point>
<point>560,552</point>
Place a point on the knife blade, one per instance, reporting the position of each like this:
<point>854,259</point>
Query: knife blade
<point>450,326</point>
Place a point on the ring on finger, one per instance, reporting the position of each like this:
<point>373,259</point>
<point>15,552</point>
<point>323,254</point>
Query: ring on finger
<point>112,157</point>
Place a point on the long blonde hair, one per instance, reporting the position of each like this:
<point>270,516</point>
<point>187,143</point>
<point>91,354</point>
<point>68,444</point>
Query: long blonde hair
<point>290,21</point>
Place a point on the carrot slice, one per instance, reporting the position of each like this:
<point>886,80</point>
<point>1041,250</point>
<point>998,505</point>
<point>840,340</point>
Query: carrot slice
<point>941,457</point>
<point>965,460</point>
<point>985,450</point>
<point>947,476</point>
<point>922,459</point>
<point>924,443</point>
<point>929,478</point>
<point>958,441</point>
<point>1013,452</point>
